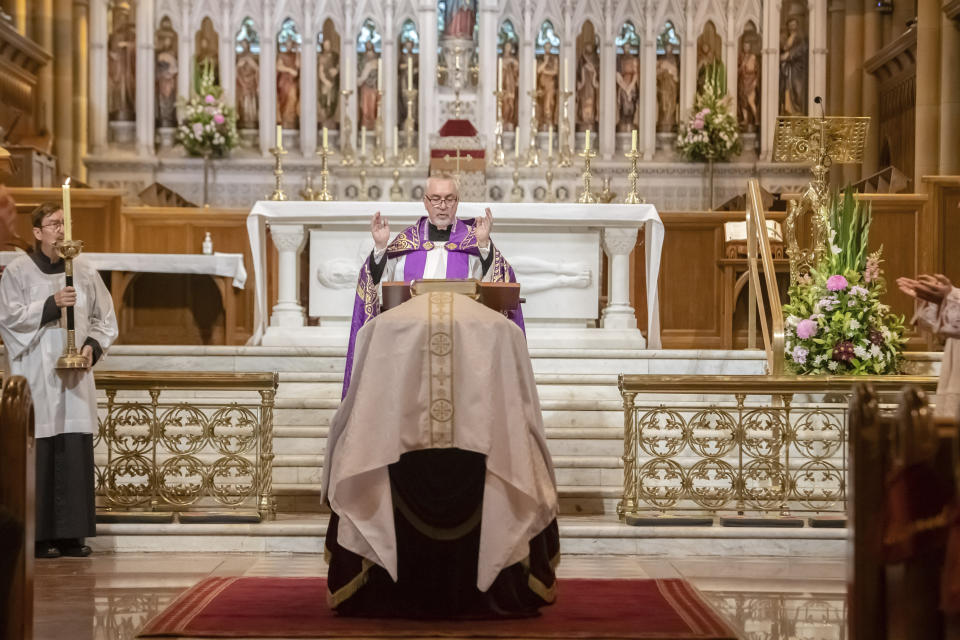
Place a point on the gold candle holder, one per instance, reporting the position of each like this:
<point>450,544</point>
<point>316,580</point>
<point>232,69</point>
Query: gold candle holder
<point>550,196</point>
<point>278,193</point>
<point>347,157</point>
<point>632,197</point>
<point>586,196</point>
<point>564,148</point>
<point>516,193</point>
<point>498,155</point>
<point>533,151</point>
<point>410,150</point>
<point>379,157</point>
<point>308,192</point>
<point>396,191</point>
<point>362,193</point>
<point>324,194</point>
<point>71,358</point>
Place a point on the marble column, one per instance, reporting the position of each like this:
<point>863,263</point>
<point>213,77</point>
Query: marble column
<point>770,79</point>
<point>731,44</point>
<point>487,53</point>
<point>617,245</point>
<point>834,97</point>
<point>526,79</point>
<point>648,94</point>
<point>289,240</point>
<point>949,96</point>
<point>688,64</point>
<point>348,78</point>
<point>227,55</point>
<point>97,75</point>
<point>927,127</point>
<point>63,89</point>
<point>818,53</point>
<point>43,23</point>
<point>81,86</point>
<point>608,95</point>
<point>428,105</point>
<point>853,72</point>
<point>388,59</point>
<point>872,35</point>
<point>146,87</point>
<point>268,83</point>
<point>308,84</point>
<point>184,54</point>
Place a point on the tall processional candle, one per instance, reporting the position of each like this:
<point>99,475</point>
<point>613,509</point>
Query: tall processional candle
<point>409,73</point>
<point>499,74</point>
<point>363,141</point>
<point>279,136</point>
<point>586,141</point>
<point>324,138</point>
<point>67,225</point>
<point>550,141</point>
<point>396,141</point>
<point>516,142</point>
<point>633,141</point>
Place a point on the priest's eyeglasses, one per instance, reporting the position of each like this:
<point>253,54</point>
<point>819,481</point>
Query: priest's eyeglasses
<point>436,201</point>
<point>56,226</point>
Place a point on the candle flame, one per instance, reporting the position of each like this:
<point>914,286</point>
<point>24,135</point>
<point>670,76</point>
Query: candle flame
<point>67,183</point>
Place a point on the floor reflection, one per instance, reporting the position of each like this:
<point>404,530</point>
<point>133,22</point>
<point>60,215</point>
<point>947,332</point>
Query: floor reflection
<point>766,616</point>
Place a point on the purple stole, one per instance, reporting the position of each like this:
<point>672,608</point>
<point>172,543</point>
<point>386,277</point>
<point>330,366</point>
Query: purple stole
<point>412,242</point>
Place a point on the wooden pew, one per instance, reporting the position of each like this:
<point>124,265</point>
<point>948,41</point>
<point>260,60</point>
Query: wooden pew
<point>17,479</point>
<point>902,502</point>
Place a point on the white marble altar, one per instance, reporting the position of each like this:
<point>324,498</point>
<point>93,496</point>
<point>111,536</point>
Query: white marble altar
<point>555,250</point>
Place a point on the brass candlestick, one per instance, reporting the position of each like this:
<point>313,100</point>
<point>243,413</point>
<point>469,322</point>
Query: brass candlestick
<point>516,193</point>
<point>533,151</point>
<point>71,358</point>
<point>346,133</point>
<point>324,194</point>
<point>308,192</point>
<point>457,84</point>
<point>379,157</point>
<point>586,196</point>
<point>362,194</point>
<point>278,193</point>
<point>396,191</point>
<point>632,197</point>
<point>498,156</point>
<point>410,151</point>
<point>565,148</point>
<point>550,196</point>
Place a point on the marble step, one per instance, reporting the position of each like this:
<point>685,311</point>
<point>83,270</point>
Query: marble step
<point>594,535</point>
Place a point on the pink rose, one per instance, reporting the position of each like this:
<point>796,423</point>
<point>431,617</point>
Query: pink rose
<point>806,329</point>
<point>837,283</point>
<point>210,99</point>
<point>218,118</point>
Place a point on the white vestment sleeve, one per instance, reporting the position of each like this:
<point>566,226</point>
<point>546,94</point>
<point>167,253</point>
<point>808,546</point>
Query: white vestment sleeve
<point>102,318</point>
<point>19,316</point>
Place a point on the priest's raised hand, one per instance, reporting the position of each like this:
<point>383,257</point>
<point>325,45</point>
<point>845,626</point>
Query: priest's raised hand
<point>380,230</point>
<point>484,226</point>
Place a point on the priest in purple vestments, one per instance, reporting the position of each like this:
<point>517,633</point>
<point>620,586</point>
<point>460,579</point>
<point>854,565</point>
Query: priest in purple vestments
<point>438,245</point>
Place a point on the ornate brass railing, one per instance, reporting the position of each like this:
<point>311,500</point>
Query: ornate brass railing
<point>762,445</point>
<point>760,256</point>
<point>186,456</point>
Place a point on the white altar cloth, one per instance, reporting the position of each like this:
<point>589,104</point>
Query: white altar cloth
<point>228,265</point>
<point>508,217</point>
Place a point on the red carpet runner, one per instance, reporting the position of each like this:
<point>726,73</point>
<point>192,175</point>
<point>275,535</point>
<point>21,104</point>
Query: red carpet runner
<point>296,608</point>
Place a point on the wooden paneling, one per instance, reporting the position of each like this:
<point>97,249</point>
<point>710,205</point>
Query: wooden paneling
<point>942,217</point>
<point>95,213</point>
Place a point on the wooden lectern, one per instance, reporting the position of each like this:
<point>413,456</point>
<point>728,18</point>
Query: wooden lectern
<point>499,296</point>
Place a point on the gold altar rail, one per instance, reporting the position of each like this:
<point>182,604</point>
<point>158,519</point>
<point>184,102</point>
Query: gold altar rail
<point>194,456</point>
<point>760,256</point>
<point>763,445</point>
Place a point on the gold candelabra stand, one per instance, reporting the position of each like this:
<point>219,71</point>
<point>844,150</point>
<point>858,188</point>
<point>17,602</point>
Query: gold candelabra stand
<point>632,197</point>
<point>324,193</point>
<point>410,150</point>
<point>516,193</point>
<point>396,191</point>
<point>71,358</point>
<point>498,155</point>
<point>278,153</point>
<point>346,135</point>
<point>565,149</point>
<point>362,192</point>
<point>586,196</point>
<point>549,196</point>
<point>379,157</point>
<point>308,192</point>
<point>533,151</point>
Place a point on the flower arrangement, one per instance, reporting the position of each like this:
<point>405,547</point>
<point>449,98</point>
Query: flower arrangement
<point>209,127</point>
<point>835,322</point>
<point>711,132</point>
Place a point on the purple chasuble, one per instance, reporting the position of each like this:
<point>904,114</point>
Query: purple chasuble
<point>413,243</point>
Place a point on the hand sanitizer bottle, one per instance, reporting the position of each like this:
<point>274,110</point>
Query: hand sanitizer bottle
<point>207,246</point>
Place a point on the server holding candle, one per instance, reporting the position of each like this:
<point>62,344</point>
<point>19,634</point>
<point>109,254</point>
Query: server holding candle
<point>34,295</point>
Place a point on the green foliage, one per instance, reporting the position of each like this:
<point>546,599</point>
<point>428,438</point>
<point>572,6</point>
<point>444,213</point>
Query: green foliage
<point>209,126</point>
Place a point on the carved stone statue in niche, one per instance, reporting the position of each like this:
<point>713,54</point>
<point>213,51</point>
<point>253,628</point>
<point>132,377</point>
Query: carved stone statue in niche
<point>511,85</point>
<point>328,85</point>
<point>407,59</point>
<point>548,71</point>
<point>628,91</point>
<point>288,86</point>
<point>367,86</point>
<point>248,88</point>
<point>709,46</point>
<point>122,65</point>
<point>166,71</point>
<point>793,69</point>
<point>668,86</point>
<point>588,88</point>
<point>207,53</point>
<point>748,82</point>
<point>458,18</point>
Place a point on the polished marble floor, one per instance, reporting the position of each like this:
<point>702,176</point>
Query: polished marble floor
<point>110,596</point>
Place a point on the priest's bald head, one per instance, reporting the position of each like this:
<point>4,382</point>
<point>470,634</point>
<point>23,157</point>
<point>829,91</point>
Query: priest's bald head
<point>441,199</point>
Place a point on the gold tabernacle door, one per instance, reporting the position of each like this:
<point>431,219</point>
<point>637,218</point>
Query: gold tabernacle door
<point>499,296</point>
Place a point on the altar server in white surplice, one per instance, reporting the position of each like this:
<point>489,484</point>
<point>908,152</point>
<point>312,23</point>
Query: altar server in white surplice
<point>33,296</point>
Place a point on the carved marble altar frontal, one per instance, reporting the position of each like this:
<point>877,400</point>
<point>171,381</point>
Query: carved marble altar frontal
<point>555,250</point>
